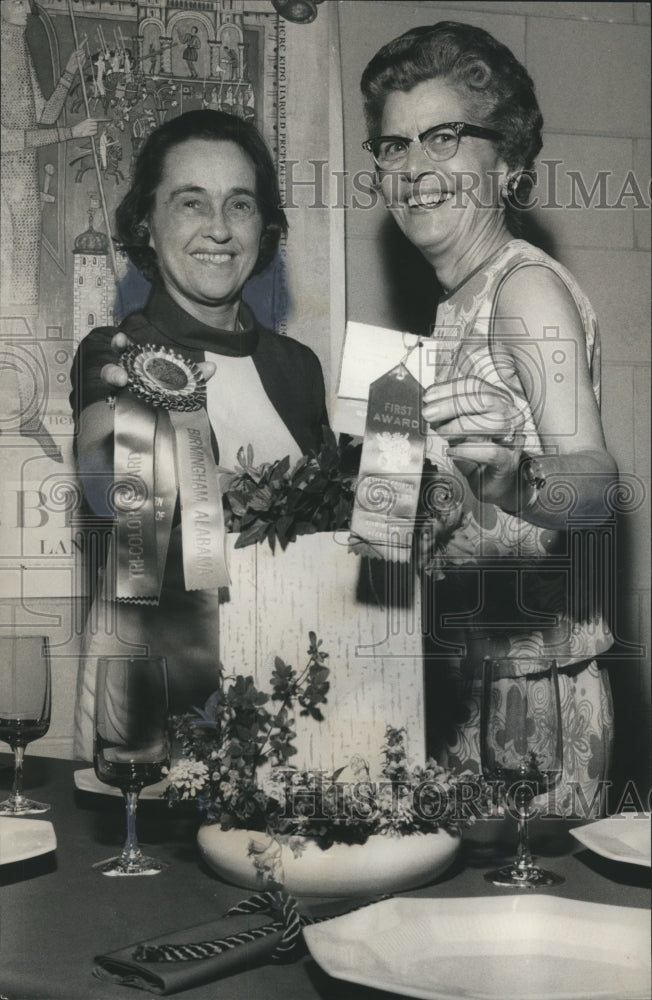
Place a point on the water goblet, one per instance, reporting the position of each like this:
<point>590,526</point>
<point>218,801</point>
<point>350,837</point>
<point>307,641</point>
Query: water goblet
<point>521,750</point>
<point>25,701</point>
<point>131,743</point>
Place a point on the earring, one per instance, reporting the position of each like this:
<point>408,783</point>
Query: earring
<point>141,231</point>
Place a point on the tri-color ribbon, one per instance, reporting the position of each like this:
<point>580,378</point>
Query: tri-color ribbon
<point>162,449</point>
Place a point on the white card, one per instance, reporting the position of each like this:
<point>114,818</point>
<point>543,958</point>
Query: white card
<point>368,352</point>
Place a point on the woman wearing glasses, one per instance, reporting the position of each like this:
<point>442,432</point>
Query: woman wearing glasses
<point>455,127</point>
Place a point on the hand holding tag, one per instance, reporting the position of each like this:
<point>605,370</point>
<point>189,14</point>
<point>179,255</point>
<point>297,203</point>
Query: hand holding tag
<point>482,425</point>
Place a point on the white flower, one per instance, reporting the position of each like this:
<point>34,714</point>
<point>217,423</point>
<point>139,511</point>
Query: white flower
<point>227,790</point>
<point>189,775</point>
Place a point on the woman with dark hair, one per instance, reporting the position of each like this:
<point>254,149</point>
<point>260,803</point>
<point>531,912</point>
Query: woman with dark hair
<point>454,128</point>
<point>203,215</point>
<point>208,125</point>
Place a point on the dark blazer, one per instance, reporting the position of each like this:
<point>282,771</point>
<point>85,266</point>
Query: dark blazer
<point>290,372</point>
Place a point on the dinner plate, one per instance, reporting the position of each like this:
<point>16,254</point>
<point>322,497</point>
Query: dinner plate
<point>87,781</point>
<point>490,948</point>
<point>625,837</point>
<point>24,838</point>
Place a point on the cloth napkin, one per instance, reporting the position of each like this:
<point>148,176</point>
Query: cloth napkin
<point>264,928</point>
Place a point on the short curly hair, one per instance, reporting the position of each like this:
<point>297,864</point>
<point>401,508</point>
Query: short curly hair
<point>136,206</point>
<point>497,88</point>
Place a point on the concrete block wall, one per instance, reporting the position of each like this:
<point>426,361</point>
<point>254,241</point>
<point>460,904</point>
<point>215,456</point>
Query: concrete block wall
<point>590,64</point>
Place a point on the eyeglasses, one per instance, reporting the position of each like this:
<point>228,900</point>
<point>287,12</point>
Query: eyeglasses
<point>441,142</point>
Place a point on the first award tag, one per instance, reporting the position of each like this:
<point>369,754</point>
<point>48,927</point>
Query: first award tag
<point>393,448</point>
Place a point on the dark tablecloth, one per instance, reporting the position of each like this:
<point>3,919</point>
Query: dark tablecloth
<point>56,914</point>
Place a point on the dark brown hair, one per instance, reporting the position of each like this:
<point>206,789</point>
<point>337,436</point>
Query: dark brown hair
<point>136,206</point>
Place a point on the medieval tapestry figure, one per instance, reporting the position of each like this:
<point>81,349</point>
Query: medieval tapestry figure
<point>23,109</point>
<point>190,54</point>
<point>83,85</point>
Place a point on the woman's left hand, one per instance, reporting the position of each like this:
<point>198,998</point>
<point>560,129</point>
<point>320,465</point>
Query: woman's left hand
<point>482,425</point>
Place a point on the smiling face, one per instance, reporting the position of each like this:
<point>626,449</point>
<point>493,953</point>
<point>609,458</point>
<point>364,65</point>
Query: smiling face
<point>206,226</point>
<point>15,11</point>
<point>448,205</point>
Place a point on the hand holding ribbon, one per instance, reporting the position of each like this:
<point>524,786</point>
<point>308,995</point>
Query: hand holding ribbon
<point>483,426</point>
<point>162,449</point>
<point>115,375</point>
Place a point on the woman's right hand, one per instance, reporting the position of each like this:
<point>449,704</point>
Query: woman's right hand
<point>116,377</point>
<point>483,427</point>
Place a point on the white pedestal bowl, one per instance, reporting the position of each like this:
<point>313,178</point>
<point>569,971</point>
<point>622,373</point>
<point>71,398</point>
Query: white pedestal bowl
<point>383,864</point>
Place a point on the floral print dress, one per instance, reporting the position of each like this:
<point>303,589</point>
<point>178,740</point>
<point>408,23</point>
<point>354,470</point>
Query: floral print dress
<point>505,587</point>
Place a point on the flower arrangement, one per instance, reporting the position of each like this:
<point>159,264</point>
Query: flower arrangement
<point>238,766</point>
<point>237,769</point>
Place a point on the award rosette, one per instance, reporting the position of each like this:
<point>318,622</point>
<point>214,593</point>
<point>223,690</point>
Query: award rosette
<point>164,378</point>
<point>393,449</point>
<point>163,450</point>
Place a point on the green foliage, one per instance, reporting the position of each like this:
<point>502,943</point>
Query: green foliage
<point>275,502</point>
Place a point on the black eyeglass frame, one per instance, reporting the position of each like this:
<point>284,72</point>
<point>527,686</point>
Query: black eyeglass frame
<point>460,129</point>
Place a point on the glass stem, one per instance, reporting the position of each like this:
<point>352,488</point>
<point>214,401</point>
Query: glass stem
<point>523,855</point>
<point>17,790</point>
<point>131,851</point>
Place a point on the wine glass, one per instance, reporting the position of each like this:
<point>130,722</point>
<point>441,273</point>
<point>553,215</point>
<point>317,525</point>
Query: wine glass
<point>521,748</point>
<point>25,700</point>
<point>131,743</point>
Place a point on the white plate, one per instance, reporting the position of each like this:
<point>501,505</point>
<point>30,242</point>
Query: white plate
<point>625,837</point>
<point>490,948</point>
<point>87,781</point>
<point>24,838</point>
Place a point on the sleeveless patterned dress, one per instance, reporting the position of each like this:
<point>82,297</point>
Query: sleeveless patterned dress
<point>502,583</point>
